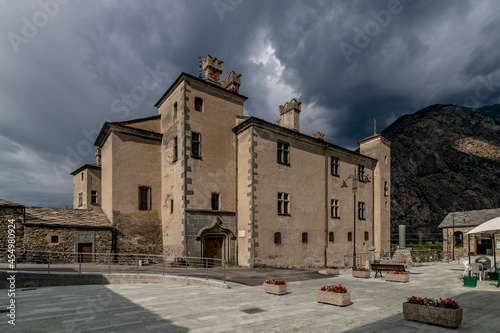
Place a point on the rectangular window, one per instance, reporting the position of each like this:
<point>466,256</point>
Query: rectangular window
<point>361,173</point>
<point>304,237</point>
<point>361,211</point>
<point>195,144</point>
<point>283,152</point>
<point>215,201</point>
<point>198,104</point>
<point>93,197</point>
<point>335,163</point>
<point>349,236</point>
<point>80,199</point>
<point>171,206</point>
<point>331,237</point>
<point>277,238</point>
<point>175,111</point>
<point>54,239</point>
<point>334,208</point>
<point>283,203</point>
<point>175,152</point>
<point>144,198</point>
<point>82,175</point>
<point>367,236</point>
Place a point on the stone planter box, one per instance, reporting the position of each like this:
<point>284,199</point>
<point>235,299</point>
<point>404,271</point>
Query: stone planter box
<point>275,289</point>
<point>328,297</point>
<point>397,277</point>
<point>332,271</point>
<point>417,264</point>
<point>361,274</point>
<point>433,315</point>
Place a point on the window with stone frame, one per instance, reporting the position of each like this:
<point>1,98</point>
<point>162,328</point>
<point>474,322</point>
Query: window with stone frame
<point>283,152</point>
<point>459,239</point>
<point>361,173</point>
<point>283,203</point>
<point>334,166</point>
<point>80,199</point>
<point>93,197</point>
<point>144,198</point>
<point>361,210</point>
<point>215,201</point>
<point>367,236</point>
<point>386,189</point>
<point>277,238</point>
<point>331,237</point>
<point>195,145</point>
<point>175,111</point>
<point>175,153</point>
<point>304,237</point>
<point>334,209</point>
<point>54,239</point>
<point>198,104</point>
<point>349,236</point>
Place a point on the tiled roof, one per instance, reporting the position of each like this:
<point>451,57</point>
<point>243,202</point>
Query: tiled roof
<point>67,217</point>
<point>469,218</point>
<point>9,203</point>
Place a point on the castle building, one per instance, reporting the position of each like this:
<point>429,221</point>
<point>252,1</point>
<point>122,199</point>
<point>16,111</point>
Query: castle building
<point>202,180</point>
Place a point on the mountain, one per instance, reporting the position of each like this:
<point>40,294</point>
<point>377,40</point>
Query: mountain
<point>492,111</point>
<point>444,158</point>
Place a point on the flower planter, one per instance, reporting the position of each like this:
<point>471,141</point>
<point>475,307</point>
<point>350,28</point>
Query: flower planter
<point>470,281</point>
<point>275,289</point>
<point>417,264</point>
<point>433,315</point>
<point>328,297</point>
<point>361,274</point>
<point>397,277</point>
<point>332,271</point>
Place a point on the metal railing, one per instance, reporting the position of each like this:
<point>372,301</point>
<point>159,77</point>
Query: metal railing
<point>85,262</point>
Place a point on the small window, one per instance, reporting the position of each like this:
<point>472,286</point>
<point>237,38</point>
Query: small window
<point>144,198</point>
<point>361,210</point>
<point>175,111</point>
<point>304,237</point>
<point>367,236</point>
<point>277,238</point>
<point>82,175</point>
<point>80,199</point>
<point>93,197</point>
<point>331,237</point>
<point>349,236</point>
<point>175,152</point>
<point>334,208</point>
<point>171,206</point>
<point>195,144</point>
<point>198,104</point>
<point>361,173</point>
<point>459,239</point>
<point>215,201</point>
<point>386,189</point>
<point>54,239</point>
<point>334,166</point>
<point>283,203</point>
<point>283,153</point>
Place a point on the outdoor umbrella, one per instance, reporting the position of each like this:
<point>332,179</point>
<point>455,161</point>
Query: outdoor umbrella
<point>491,225</point>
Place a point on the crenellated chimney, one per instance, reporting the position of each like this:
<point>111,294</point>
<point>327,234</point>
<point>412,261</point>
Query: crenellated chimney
<point>320,136</point>
<point>98,156</point>
<point>289,114</point>
<point>213,69</point>
<point>232,82</point>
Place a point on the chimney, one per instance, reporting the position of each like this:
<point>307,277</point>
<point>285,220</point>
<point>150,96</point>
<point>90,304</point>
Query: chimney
<point>319,136</point>
<point>232,82</point>
<point>98,156</point>
<point>289,114</point>
<point>212,68</point>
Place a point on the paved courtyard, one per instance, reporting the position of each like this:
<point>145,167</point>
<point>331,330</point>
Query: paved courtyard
<point>376,306</point>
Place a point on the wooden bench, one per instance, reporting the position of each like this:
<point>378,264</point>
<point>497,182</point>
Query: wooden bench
<point>378,268</point>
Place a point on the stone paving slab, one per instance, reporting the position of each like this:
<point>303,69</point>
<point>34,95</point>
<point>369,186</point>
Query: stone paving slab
<point>376,306</point>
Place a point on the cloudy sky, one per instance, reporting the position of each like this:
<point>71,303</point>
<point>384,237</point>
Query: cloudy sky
<point>68,66</point>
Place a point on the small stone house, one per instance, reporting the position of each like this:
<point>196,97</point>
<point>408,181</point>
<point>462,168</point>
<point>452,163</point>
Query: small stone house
<point>57,230</point>
<point>456,225</point>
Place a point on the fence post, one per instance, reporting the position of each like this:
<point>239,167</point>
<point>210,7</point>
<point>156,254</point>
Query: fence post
<point>79,263</point>
<point>109,263</point>
<point>206,265</point>
<point>224,267</point>
<point>48,264</point>
<point>163,258</point>
<point>185,261</point>
<point>137,265</point>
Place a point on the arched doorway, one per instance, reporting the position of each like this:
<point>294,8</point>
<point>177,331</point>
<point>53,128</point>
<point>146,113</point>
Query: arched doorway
<point>215,242</point>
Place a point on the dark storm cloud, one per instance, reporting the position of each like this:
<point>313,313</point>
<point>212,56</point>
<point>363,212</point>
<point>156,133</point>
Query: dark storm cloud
<point>94,61</point>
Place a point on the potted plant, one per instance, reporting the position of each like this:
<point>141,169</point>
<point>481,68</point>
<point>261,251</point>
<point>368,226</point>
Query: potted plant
<point>333,270</point>
<point>397,276</point>
<point>417,263</point>
<point>443,312</point>
<point>333,294</point>
<point>276,287</point>
<point>470,281</point>
<point>361,272</point>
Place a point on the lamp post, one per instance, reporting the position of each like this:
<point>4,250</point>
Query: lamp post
<point>355,178</point>
<point>453,237</point>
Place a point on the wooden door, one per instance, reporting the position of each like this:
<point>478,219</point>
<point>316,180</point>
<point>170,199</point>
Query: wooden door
<point>213,249</point>
<point>85,252</point>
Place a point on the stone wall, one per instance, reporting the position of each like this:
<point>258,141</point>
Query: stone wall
<point>6,214</point>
